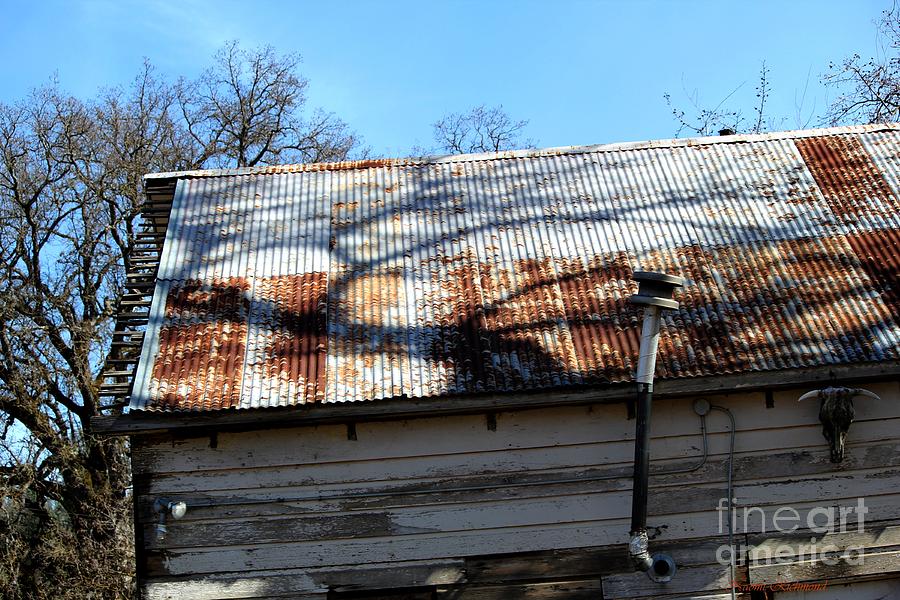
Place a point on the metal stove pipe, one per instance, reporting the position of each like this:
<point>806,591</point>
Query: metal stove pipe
<point>655,293</point>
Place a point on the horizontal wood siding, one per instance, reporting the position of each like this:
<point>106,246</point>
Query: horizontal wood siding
<point>870,590</point>
<point>432,502</point>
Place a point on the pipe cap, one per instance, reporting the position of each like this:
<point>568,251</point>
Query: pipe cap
<point>656,289</point>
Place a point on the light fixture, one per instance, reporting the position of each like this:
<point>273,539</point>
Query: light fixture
<point>164,508</point>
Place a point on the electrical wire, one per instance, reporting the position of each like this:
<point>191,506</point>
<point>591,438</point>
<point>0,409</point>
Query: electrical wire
<point>702,458</point>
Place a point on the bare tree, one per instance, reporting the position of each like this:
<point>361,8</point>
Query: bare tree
<point>246,109</point>
<point>722,117</point>
<point>869,90</point>
<point>481,129</point>
<point>70,195</point>
<point>60,267</point>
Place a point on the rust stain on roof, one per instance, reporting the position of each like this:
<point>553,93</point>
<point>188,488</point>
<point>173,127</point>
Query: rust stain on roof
<point>348,165</point>
<point>201,346</point>
<point>847,177</point>
<point>287,358</point>
<point>879,255</point>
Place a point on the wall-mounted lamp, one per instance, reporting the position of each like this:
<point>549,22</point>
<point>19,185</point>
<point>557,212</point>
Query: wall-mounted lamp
<point>164,508</point>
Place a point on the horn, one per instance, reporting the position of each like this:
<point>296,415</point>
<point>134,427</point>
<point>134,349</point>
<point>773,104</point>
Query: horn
<point>865,393</point>
<point>810,395</point>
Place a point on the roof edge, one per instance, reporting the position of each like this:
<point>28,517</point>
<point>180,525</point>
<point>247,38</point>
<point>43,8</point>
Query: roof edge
<point>140,422</point>
<point>557,151</point>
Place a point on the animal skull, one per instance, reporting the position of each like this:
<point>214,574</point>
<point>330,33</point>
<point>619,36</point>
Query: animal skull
<point>836,412</point>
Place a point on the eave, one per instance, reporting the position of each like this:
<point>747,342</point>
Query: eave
<point>188,423</point>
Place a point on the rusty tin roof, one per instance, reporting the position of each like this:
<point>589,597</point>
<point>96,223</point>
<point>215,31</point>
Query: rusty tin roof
<point>505,272</point>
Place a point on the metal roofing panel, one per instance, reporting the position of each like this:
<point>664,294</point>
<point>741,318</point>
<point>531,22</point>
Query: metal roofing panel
<point>510,272</point>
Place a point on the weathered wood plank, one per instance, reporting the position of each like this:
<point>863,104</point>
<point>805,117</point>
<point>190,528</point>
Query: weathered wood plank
<point>260,585</point>
<point>610,499</point>
<point>581,563</point>
<point>702,596</point>
<point>376,441</point>
<point>312,484</point>
<point>397,470</point>
<point>264,516</point>
<point>472,512</point>
<point>675,425</point>
<point>483,571</point>
<point>559,590</point>
<point>394,594</point>
<point>355,552</point>
<point>840,556</point>
<point>452,519</point>
<point>547,565</point>
<point>831,569</point>
<point>874,534</point>
<point>867,590</point>
<point>455,543</point>
<point>315,582</point>
<point>393,575</point>
<point>707,578</point>
<point>465,580</point>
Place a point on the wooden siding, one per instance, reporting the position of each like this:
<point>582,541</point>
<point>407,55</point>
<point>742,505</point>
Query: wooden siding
<point>869,590</point>
<point>537,507</point>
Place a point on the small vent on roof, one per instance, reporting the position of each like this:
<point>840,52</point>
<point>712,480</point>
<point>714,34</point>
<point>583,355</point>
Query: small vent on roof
<point>727,131</point>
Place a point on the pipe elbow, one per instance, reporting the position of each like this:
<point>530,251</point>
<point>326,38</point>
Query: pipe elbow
<point>638,550</point>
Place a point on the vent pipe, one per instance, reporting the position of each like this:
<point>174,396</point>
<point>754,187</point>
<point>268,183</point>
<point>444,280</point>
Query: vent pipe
<point>655,293</point>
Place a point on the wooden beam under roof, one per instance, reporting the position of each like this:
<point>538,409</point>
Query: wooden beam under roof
<point>147,422</point>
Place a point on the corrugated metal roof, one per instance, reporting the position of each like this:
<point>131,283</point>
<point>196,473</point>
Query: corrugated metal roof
<point>509,272</point>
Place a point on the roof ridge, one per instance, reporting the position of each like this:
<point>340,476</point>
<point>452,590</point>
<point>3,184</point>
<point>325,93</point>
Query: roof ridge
<point>528,153</point>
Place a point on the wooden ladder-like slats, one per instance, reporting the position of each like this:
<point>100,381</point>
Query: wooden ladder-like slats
<point>133,309</point>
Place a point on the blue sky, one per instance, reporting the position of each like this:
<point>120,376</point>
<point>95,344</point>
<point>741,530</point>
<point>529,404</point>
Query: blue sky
<point>581,72</point>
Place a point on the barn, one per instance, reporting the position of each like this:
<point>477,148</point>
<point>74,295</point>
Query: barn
<point>415,378</point>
